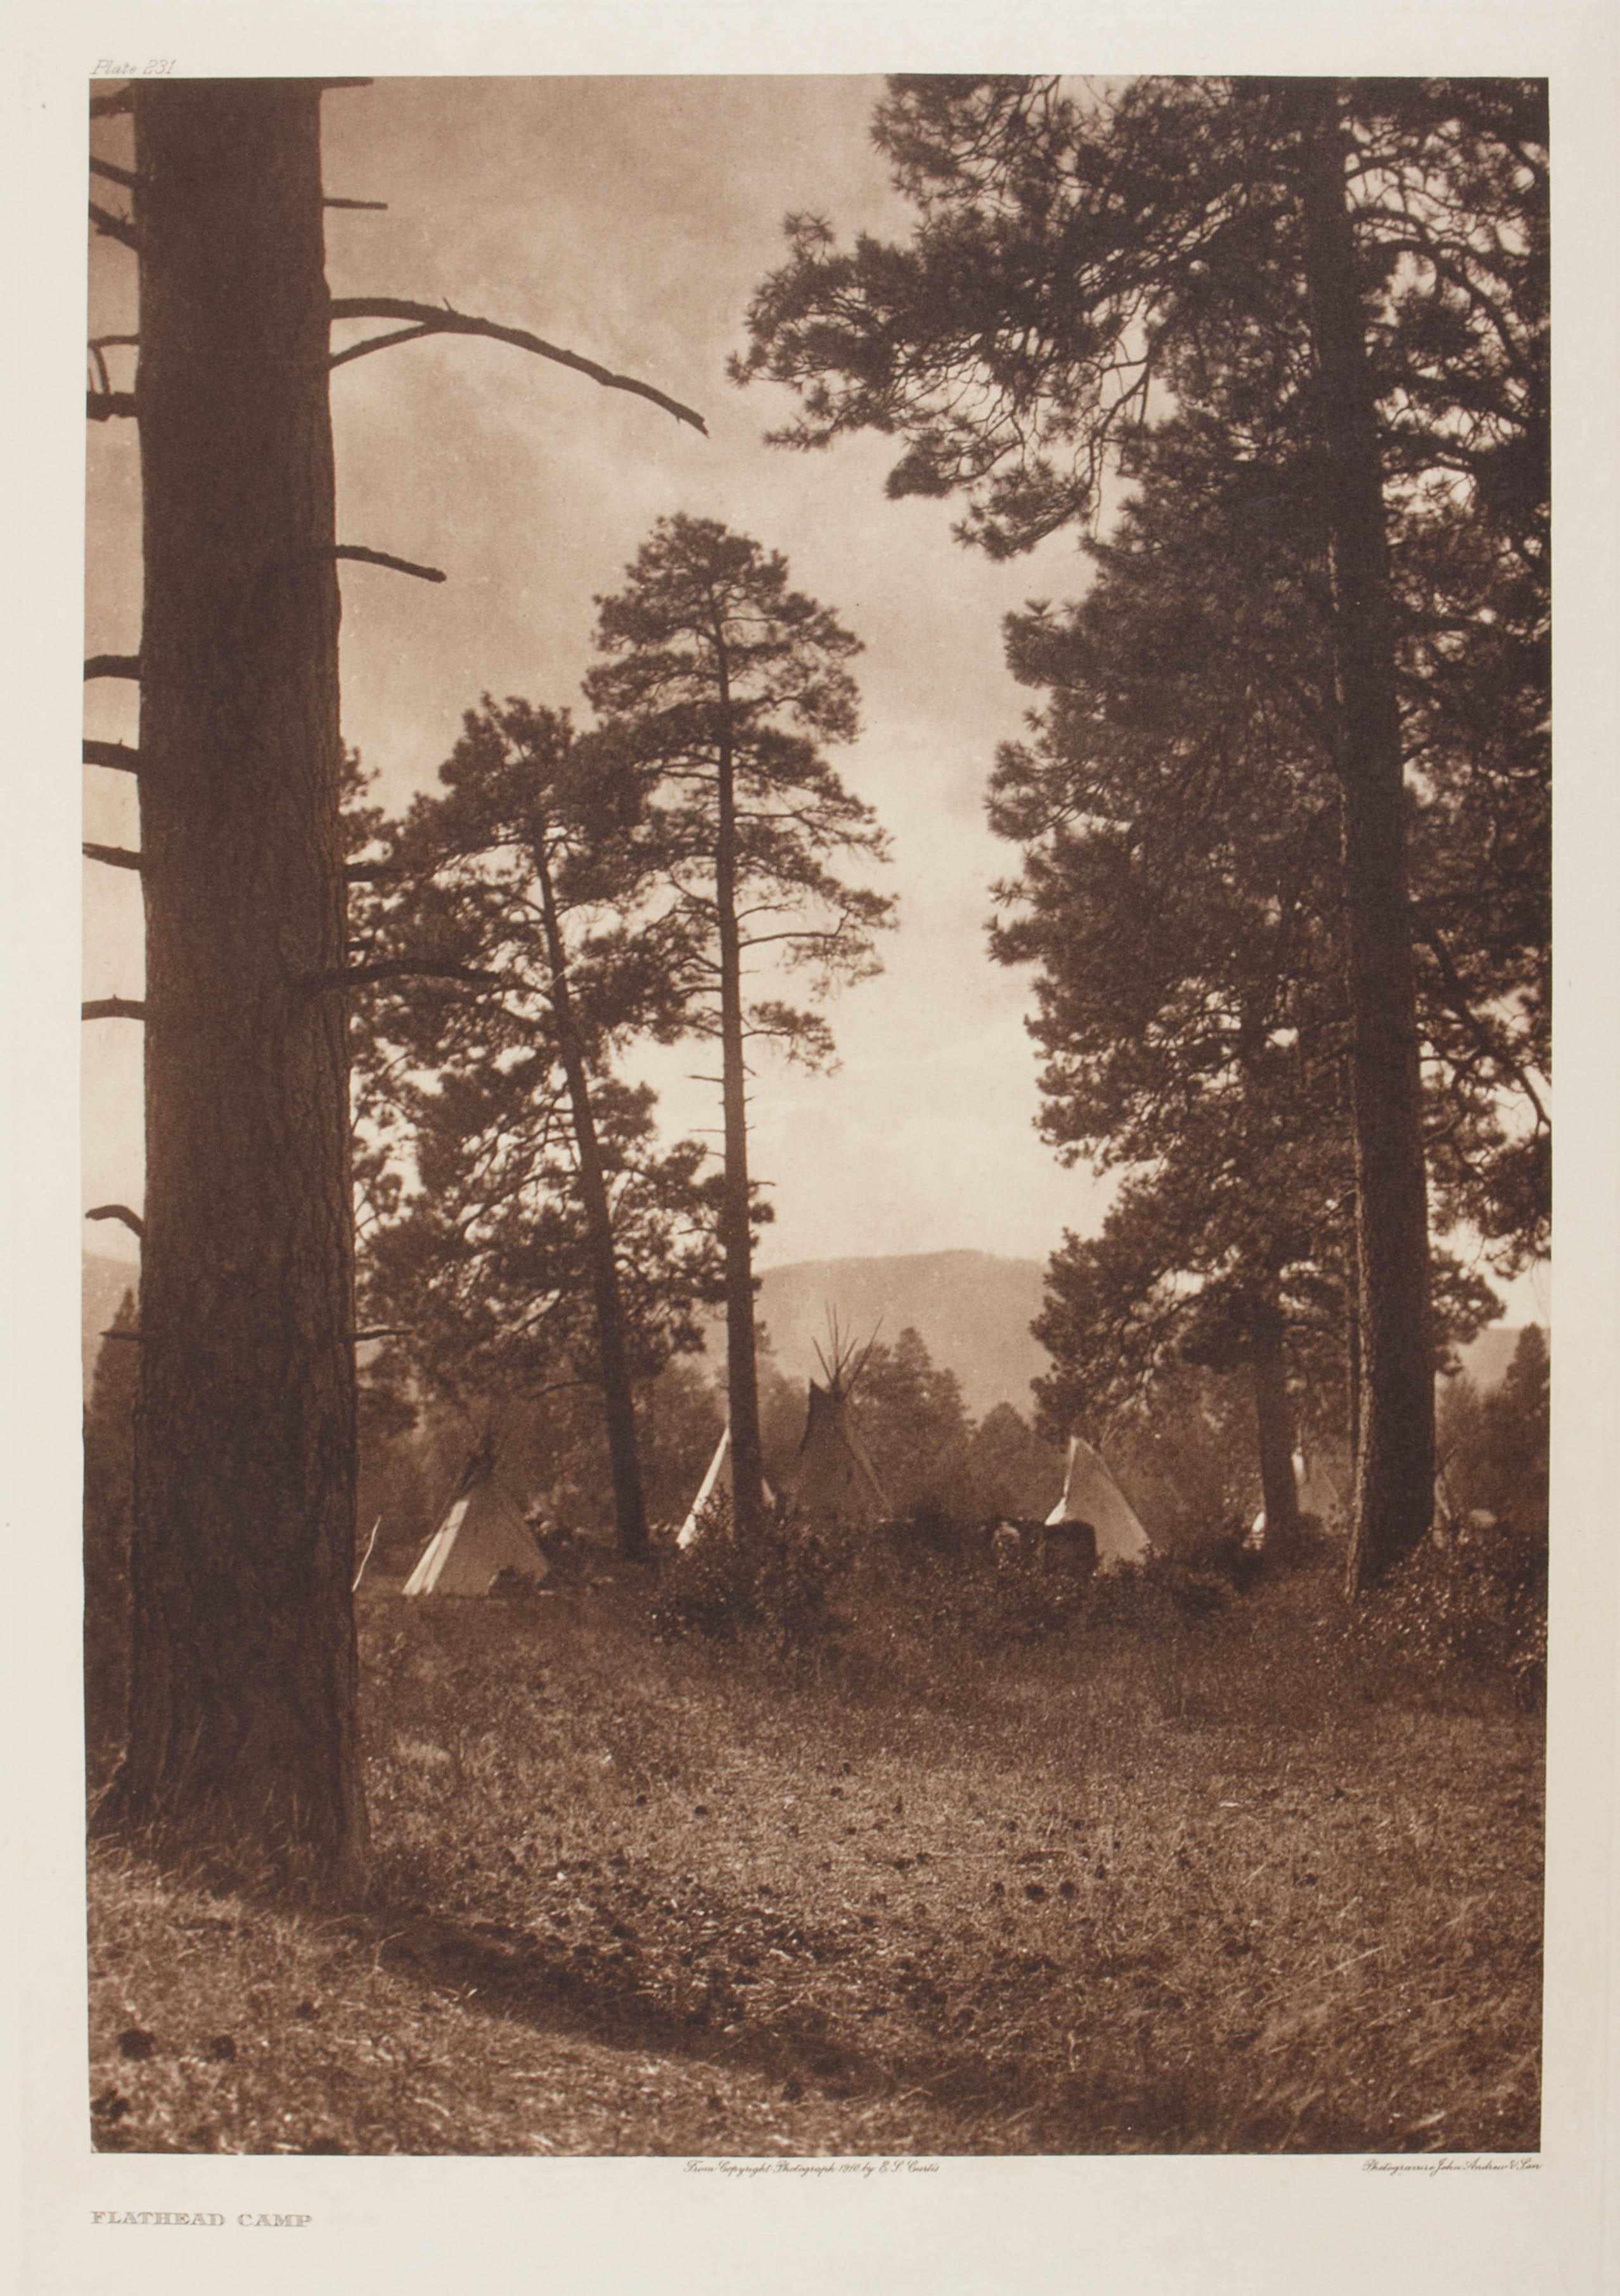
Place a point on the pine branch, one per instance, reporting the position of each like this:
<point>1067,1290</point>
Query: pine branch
<point>113,1008</point>
<point>116,856</point>
<point>118,755</point>
<point>364,557</point>
<point>113,665</point>
<point>1460,1006</point>
<point>424,318</point>
<point>131,1220</point>
<point>115,226</point>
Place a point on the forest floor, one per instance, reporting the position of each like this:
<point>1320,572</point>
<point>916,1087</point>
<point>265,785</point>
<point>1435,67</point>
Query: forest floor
<point>1205,1886</point>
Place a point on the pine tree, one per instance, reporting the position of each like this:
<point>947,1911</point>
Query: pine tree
<point>915,1424</point>
<point>1176,808</point>
<point>525,872</point>
<point>1357,271</point>
<point>719,686</point>
<point>1011,1470</point>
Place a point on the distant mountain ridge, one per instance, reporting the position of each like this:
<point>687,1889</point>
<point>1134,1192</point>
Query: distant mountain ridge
<point>973,1308</point>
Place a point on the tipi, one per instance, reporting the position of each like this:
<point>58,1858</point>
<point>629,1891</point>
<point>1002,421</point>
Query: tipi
<point>1091,1495</point>
<point>692,1529</point>
<point>482,1534</point>
<point>832,1478</point>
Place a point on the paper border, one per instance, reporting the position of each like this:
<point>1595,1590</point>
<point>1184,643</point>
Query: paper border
<point>1206,2225</point>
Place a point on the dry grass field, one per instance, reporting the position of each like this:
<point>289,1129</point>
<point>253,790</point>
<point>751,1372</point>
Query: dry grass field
<point>1151,1882</point>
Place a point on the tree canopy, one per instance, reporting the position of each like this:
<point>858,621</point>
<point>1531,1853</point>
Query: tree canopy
<point>509,969</point>
<point>1345,283</point>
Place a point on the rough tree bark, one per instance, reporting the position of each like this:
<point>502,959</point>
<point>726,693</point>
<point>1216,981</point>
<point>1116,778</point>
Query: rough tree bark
<point>242,1719</point>
<point>1395,1469</point>
<point>618,1395</point>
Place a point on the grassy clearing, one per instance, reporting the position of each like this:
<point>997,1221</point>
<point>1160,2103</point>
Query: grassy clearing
<point>1222,1886</point>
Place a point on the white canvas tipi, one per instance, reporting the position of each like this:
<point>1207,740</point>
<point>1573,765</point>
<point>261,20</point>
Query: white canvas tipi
<point>692,1529</point>
<point>1091,1495</point>
<point>482,1534</point>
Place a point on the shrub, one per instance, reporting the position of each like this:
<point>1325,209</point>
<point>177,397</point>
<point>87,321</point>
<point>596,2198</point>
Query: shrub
<point>927,1533</point>
<point>1221,1553</point>
<point>1029,1593</point>
<point>775,1593</point>
<point>1155,1597</point>
<point>1480,1600</point>
<point>999,1600</point>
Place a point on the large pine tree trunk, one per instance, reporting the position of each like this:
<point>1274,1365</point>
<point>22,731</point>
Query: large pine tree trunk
<point>737,1235</point>
<point>243,1714</point>
<point>1274,1428</point>
<point>1394,1480</point>
<point>607,1296</point>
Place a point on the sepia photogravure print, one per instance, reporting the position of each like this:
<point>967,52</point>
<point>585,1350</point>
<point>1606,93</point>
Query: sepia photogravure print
<point>818,1370</point>
<point>817,1155</point>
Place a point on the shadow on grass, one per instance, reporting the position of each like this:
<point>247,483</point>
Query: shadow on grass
<point>983,2104</point>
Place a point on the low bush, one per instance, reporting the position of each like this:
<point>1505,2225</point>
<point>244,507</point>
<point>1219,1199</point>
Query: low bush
<point>1221,1553</point>
<point>775,1593</point>
<point>1155,1597</point>
<point>1479,1601</point>
<point>1025,1599</point>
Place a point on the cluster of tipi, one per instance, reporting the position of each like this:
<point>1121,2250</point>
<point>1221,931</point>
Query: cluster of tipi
<point>484,1535</point>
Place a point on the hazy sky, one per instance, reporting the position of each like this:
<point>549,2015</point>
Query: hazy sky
<point>629,219</point>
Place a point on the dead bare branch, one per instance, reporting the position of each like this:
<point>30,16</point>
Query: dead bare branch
<point>111,665</point>
<point>114,226</point>
<point>116,856</point>
<point>113,1008</point>
<point>131,1220</point>
<point>107,107</point>
<point>113,174</point>
<point>103,406</point>
<point>379,343</point>
<point>381,558</point>
<point>118,755</point>
<point>425,317</point>
<point>379,206</point>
